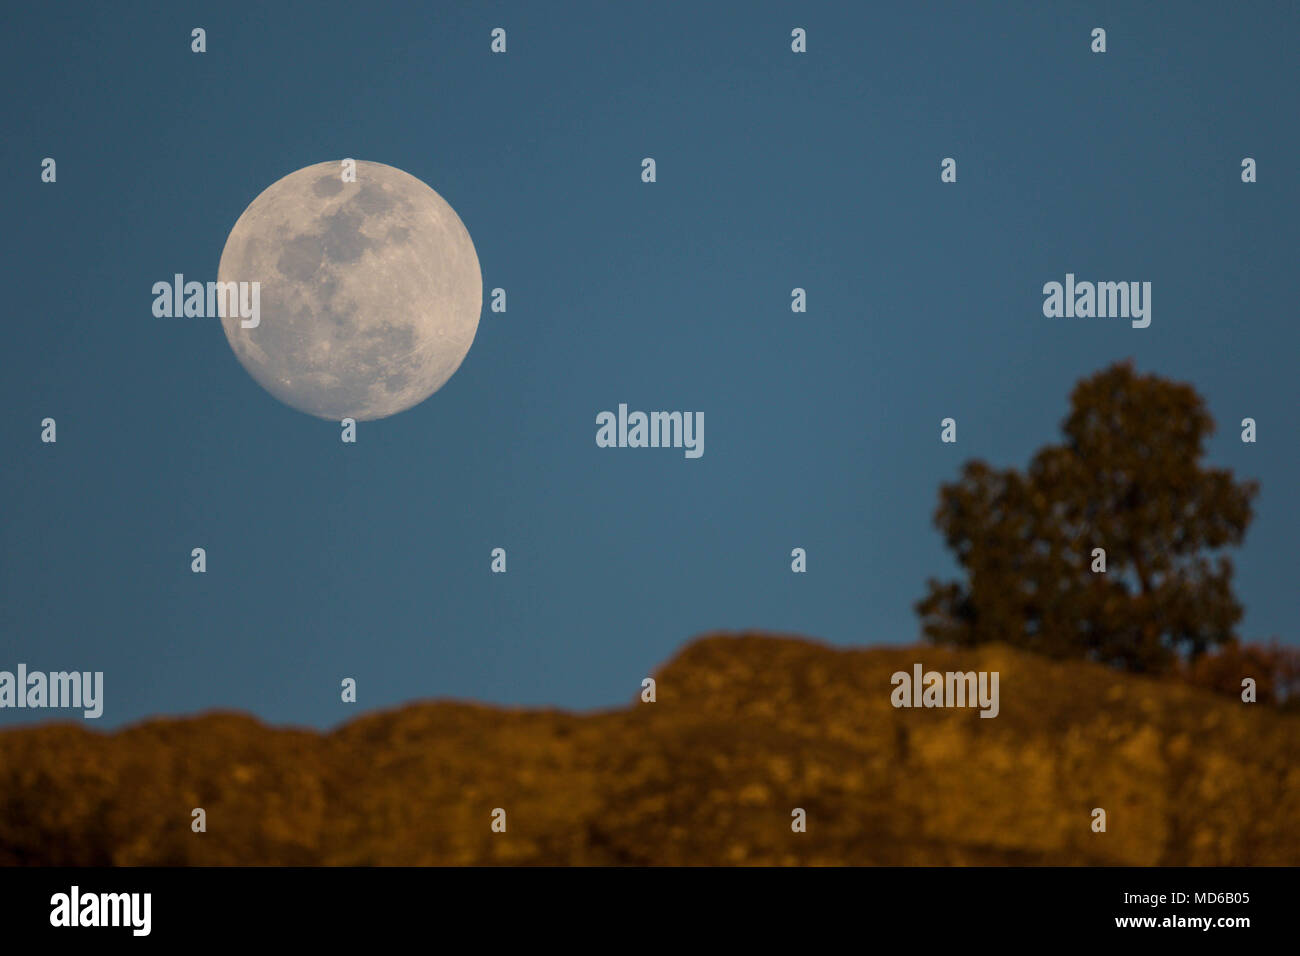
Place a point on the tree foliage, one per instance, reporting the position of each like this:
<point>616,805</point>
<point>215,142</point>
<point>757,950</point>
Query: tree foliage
<point>1274,667</point>
<point>1127,478</point>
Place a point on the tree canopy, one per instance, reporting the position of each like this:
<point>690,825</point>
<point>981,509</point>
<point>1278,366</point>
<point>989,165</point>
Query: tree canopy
<point>1127,478</point>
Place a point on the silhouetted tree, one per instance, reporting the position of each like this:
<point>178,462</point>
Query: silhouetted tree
<point>1274,667</point>
<point>1128,479</point>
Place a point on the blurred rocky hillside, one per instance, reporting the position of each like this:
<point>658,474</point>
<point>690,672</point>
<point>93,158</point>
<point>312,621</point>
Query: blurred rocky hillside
<point>745,729</point>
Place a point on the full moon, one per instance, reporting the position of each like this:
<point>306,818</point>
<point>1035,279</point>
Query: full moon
<point>370,291</point>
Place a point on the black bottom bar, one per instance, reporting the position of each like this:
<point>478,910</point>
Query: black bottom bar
<point>655,905</point>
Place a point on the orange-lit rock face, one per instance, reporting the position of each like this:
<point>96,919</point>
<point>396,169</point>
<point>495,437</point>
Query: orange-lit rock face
<point>743,731</point>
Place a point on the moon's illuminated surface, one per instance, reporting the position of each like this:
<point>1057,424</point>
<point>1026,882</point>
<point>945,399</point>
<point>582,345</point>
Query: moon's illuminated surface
<point>370,291</point>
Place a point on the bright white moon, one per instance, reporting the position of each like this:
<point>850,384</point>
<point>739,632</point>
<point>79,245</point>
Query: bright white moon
<point>370,291</point>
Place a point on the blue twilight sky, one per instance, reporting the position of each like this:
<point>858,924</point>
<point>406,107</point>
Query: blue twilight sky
<point>774,171</point>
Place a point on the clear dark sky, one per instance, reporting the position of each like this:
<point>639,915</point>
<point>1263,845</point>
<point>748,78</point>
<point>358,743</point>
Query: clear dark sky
<point>775,170</point>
